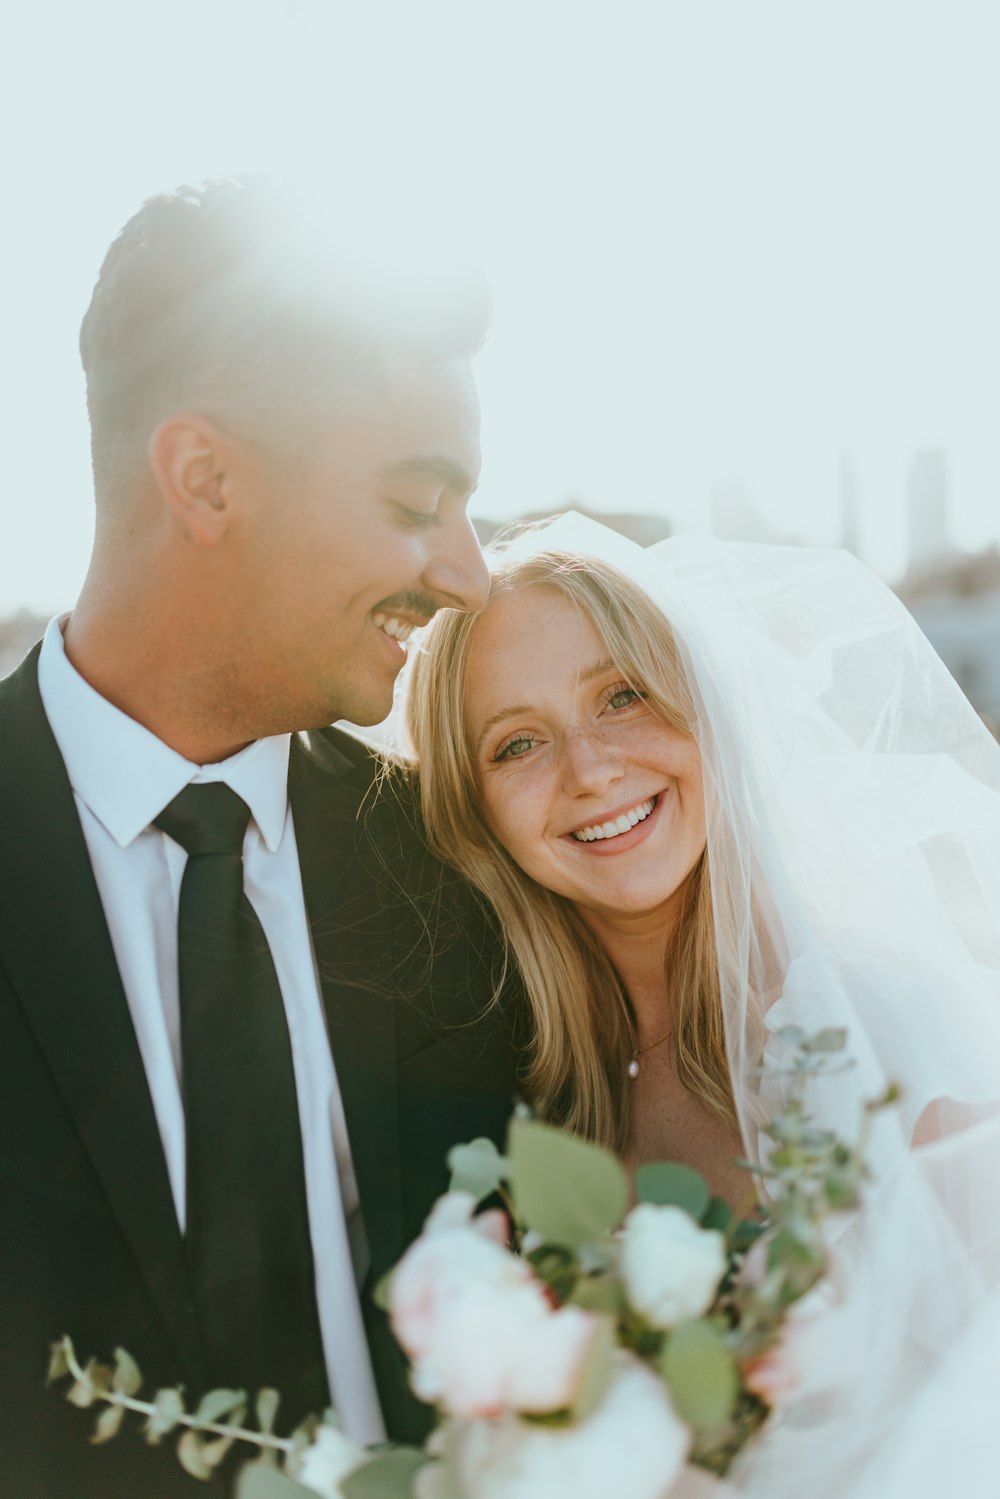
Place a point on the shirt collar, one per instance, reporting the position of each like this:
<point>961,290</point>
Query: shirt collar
<point>126,776</point>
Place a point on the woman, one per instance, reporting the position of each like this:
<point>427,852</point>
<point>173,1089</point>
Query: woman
<point>712,793</point>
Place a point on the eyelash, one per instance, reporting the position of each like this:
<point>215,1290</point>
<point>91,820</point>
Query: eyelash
<point>504,752</point>
<point>417,520</point>
<point>637,696</point>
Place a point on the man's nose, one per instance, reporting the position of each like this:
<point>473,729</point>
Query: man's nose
<point>457,574</point>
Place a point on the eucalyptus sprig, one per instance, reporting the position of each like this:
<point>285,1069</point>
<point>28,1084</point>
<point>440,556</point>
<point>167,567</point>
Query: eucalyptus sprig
<point>206,1434</point>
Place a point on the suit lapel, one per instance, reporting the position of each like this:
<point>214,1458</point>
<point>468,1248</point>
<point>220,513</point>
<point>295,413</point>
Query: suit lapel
<point>61,963</point>
<point>350,939</point>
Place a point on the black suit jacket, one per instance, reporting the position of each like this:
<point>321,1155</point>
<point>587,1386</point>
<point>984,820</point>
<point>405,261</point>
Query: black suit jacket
<point>89,1243</point>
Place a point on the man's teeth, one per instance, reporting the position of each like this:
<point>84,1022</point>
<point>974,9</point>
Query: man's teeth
<point>620,825</point>
<point>397,628</point>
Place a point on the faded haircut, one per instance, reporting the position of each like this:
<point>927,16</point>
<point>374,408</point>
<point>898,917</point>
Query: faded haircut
<point>242,300</point>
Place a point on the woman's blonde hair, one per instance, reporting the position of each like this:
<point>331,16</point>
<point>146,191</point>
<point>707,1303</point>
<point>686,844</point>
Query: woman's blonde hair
<point>583,1028</point>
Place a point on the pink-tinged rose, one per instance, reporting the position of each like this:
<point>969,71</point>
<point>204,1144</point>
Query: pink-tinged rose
<point>481,1332</point>
<point>773,1377</point>
<point>478,1326</point>
<point>671,1266</point>
<point>633,1444</point>
<point>441,1267</point>
<point>818,1348</point>
<point>753,1270</point>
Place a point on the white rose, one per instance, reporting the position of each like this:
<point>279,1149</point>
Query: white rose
<point>458,1210</point>
<point>478,1326</point>
<point>551,1360</point>
<point>328,1458</point>
<point>633,1443</point>
<point>452,1254</point>
<point>671,1266</point>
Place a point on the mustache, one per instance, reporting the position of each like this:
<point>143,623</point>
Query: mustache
<point>420,604</point>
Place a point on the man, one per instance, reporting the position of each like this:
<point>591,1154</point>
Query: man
<point>243,1012</point>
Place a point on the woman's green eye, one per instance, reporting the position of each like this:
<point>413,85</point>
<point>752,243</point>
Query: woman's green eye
<point>514,748</point>
<point>623,697</point>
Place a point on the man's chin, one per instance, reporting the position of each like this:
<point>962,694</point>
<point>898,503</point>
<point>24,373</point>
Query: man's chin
<point>366,713</point>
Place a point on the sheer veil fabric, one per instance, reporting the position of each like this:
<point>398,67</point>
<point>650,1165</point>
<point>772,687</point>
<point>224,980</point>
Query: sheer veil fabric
<point>853,800</point>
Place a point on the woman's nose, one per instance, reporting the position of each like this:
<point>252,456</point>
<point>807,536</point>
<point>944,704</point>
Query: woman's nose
<point>589,763</point>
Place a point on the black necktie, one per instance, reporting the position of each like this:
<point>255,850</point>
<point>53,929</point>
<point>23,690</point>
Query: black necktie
<point>247,1230</point>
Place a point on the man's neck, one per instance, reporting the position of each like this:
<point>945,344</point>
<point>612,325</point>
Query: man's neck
<point>142,682</point>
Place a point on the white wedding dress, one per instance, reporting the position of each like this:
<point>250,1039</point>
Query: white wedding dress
<point>853,801</point>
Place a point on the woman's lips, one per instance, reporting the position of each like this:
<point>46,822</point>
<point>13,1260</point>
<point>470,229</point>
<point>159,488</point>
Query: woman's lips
<point>621,842</point>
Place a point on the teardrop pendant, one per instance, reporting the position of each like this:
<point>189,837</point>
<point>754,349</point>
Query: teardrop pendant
<point>633,1067</point>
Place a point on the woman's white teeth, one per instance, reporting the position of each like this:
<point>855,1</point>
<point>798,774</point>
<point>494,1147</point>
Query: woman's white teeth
<point>620,825</point>
<point>397,628</point>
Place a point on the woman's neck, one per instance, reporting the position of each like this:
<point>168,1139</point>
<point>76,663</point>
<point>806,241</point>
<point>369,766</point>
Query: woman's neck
<point>637,948</point>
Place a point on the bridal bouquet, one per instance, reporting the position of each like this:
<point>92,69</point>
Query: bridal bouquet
<point>571,1345</point>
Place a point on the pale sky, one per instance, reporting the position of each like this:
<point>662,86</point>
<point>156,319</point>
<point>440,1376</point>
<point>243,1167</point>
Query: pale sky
<point>728,239</point>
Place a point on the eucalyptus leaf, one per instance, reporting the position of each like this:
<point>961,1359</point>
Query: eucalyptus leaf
<point>127,1378</point>
<point>213,1452</point>
<point>261,1480</point>
<point>109,1424</point>
<point>99,1376</point>
<point>564,1188</point>
<point>58,1360</point>
<point>701,1374</point>
<point>267,1409</point>
<point>82,1394</point>
<point>600,1293</point>
<point>389,1475</point>
<point>218,1403</point>
<point>381,1291</point>
<point>718,1215</point>
<point>478,1168</point>
<point>596,1371</point>
<point>168,1407</point>
<point>668,1184</point>
<point>189,1451</point>
<point>834,1039</point>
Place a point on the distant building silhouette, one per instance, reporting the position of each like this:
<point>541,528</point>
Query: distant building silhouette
<point>957,605</point>
<point>642,528</point>
<point>927,497</point>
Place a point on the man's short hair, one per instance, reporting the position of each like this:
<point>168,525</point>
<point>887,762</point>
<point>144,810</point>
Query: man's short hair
<point>239,299</point>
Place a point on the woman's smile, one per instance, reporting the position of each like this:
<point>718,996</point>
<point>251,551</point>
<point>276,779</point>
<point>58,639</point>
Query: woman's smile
<point>619,831</point>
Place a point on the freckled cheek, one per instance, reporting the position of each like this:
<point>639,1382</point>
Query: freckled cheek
<point>516,820</point>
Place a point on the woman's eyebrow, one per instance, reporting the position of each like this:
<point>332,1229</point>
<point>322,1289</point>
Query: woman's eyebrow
<point>587,674</point>
<point>491,723</point>
<point>597,669</point>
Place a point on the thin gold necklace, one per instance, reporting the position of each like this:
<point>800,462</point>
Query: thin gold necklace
<point>633,1066</point>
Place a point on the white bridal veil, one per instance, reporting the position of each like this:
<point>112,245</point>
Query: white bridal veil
<point>853,801</point>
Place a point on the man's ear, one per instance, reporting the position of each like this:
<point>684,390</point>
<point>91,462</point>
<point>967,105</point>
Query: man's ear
<point>191,463</point>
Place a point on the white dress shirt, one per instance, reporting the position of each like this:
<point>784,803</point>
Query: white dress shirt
<point>122,777</point>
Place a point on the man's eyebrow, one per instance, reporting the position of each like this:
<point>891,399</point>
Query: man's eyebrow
<point>450,473</point>
<point>587,674</point>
